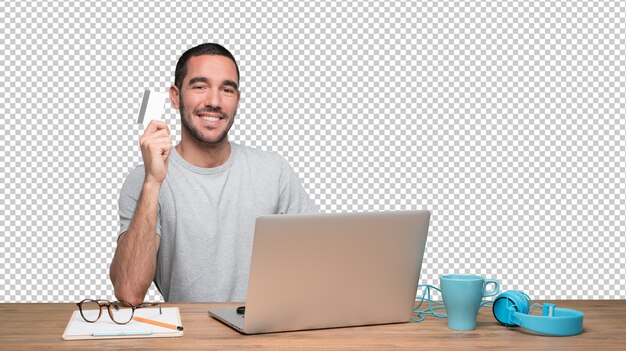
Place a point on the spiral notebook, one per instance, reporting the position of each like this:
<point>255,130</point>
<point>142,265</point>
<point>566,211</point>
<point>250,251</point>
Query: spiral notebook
<point>105,328</point>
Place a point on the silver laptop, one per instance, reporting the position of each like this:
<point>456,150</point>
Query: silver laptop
<point>331,270</point>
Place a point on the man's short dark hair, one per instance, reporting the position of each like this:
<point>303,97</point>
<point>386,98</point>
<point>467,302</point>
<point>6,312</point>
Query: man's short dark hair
<point>202,49</point>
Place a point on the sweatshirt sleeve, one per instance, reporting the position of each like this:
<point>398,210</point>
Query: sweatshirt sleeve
<point>293,197</point>
<point>129,197</point>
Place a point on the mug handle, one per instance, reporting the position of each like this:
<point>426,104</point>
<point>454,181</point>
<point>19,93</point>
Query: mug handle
<point>495,290</point>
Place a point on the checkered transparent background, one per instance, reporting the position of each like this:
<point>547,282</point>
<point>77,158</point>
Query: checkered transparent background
<point>505,118</point>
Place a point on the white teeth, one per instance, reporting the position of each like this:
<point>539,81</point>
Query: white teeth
<point>210,119</point>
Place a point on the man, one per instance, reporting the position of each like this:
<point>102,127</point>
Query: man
<point>188,215</point>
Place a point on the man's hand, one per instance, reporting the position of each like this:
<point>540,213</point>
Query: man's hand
<point>156,144</point>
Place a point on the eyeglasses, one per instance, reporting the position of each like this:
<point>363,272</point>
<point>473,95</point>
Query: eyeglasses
<point>121,312</point>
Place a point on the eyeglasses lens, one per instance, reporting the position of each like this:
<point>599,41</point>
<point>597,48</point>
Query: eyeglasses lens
<point>120,313</point>
<point>90,310</point>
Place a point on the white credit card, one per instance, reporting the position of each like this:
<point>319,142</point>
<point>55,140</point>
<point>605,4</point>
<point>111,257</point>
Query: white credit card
<point>152,107</point>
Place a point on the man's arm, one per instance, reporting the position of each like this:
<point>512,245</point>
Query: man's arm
<point>134,264</point>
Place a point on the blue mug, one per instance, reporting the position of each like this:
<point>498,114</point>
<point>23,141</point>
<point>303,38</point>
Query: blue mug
<point>462,295</point>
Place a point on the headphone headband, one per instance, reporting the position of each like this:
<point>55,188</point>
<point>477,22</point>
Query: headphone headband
<point>511,309</point>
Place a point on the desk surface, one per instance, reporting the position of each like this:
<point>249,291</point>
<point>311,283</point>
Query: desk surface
<point>40,326</point>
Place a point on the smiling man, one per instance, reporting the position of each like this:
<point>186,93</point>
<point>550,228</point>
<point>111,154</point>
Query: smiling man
<point>187,215</point>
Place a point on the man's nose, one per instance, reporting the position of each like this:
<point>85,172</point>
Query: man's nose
<point>212,98</point>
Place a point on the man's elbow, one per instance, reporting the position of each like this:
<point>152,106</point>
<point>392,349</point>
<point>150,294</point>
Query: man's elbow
<point>133,298</point>
<point>125,293</point>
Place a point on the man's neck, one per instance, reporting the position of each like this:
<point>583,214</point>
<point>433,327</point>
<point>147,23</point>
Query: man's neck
<point>203,155</point>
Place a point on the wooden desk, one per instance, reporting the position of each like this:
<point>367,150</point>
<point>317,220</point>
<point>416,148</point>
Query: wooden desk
<point>40,326</point>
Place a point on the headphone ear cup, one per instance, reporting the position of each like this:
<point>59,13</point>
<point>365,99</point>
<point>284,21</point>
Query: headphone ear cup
<point>523,300</point>
<point>507,303</point>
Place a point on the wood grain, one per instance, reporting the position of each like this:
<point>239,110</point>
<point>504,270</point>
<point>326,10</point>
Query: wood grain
<point>40,326</point>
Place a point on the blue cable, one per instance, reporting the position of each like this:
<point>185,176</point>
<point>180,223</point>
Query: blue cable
<point>434,305</point>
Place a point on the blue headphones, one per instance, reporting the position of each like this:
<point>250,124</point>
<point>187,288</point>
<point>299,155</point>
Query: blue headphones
<point>511,308</point>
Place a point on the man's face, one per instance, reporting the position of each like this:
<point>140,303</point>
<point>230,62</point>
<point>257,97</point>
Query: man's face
<point>208,99</point>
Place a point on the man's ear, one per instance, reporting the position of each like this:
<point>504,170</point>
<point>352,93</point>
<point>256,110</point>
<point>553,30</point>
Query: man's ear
<point>175,96</point>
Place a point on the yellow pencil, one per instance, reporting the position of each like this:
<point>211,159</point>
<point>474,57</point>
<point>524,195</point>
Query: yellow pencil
<point>159,324</point>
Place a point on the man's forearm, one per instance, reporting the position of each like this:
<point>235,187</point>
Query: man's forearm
<point>134,264</point>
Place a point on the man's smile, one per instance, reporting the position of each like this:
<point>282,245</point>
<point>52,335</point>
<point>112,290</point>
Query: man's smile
<point>211,118</point>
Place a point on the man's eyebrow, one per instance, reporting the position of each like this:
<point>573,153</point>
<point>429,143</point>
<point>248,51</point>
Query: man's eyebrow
<point>195,80</point>
<point>227,82</point>
<point>230,83</point>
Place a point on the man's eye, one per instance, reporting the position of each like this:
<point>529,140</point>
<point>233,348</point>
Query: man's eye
<point>228,90</point>
<point>198,87</point>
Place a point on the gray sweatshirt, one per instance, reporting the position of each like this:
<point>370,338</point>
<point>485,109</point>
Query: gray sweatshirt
<point>206,219</point>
